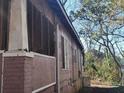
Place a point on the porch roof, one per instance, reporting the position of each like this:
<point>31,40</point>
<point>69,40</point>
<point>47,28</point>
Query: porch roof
<point>60,11</point>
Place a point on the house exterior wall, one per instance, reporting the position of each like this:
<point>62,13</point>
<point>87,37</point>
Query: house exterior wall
<point>69,80</point>
<point>27,74</point>
<point>65,75</point>
<point>67,84</point>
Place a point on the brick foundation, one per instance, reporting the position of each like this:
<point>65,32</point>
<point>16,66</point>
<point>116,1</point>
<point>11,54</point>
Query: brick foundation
<point>0,69</point>
<point>26,73</point>
<point>23,74</point>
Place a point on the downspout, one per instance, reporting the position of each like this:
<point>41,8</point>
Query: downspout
<point>57,60</point>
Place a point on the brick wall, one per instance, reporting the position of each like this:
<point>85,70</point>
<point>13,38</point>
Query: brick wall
<point>43,72</point>
<point>13,75</point>
<point>23,74</point>
<point>0,69</point>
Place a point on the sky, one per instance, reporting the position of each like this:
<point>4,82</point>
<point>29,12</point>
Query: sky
<point>74,5</point>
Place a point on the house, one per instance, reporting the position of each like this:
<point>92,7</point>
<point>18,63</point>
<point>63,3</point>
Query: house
<point>40,51</point>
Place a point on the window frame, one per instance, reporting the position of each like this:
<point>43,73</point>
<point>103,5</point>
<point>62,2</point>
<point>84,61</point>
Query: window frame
<point>65,53</point>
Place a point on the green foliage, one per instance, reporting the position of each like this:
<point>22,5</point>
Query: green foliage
<point>100,23</point>
<point>104,68</point>
<point>101,26</point>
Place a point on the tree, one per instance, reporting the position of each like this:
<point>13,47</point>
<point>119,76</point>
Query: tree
<point>63,2</point>
<point>101,67</point>
<point>101,25</point>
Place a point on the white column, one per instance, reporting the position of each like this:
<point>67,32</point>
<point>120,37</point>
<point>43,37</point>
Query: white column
<point>57,60</point>
<point>18,37</point>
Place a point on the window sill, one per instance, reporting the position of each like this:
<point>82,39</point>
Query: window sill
<point>64,69</point>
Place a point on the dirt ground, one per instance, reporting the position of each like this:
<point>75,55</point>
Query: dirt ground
<point>102,89</point>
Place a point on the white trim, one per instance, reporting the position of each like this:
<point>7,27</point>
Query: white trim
<point>1,51</point>
<point>42,55</point>
<point>18,35</point>
<point>18,53</point>
<point>57,60</point>
<point>23,53</point>
<point>42,88</point>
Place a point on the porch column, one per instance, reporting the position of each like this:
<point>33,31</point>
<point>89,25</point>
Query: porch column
<point>18,37</point>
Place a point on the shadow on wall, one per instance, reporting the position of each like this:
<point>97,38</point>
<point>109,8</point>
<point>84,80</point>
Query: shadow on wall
<point>102,90</point>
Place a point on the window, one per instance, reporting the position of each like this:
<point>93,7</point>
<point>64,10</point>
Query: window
<point>80,64</point>
<point>75,54</point>
<point>4,23</point>
<point>40,31</point>
<point>62,52</point>
<point>65,53</point>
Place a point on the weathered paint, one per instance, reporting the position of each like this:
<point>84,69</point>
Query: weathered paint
<point>18,38</point>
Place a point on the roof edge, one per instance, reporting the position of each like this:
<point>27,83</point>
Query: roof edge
<point>70,23</point>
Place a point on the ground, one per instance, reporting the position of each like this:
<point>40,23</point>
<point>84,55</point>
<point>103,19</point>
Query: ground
<point>93,89</point>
